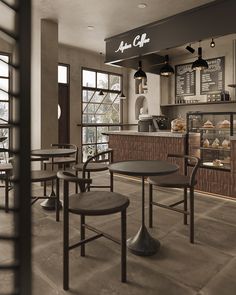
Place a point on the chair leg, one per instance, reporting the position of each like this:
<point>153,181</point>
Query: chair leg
<point>191,215</point>
<point>65,240</point>
<point>123,247</point>
<point>111,182</point>
<point>76,185</point>
<point>82,234</point>
<point>6,193</point>
<point>57,205</point>
<point>150,205</point>
<point>88,184</point>
<point>45,183</point>
<point>185,205</point>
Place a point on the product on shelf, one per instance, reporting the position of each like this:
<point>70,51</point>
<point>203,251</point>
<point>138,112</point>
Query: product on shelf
<point>206,143</point>
<point>225,144</point>
<point>208,124</point>
<point>226,160</point>
<point>224,124</point>
<point>178,125</point>
<point>216,143</point>
<point>217,163</point>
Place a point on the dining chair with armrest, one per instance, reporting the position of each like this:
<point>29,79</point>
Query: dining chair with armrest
<point>94,203</point>
<point>185,181</point>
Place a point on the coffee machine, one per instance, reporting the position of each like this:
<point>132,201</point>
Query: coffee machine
<point>153,123</point>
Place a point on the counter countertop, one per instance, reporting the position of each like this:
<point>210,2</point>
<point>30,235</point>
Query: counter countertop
<point>136,133</point>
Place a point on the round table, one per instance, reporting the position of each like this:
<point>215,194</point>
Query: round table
<point>143,243</point>
<point>49,204</point>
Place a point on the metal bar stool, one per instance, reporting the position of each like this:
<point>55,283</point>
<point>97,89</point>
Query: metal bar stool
<point>177,181</point>
<point>95,203</point>
<point>5,173</point>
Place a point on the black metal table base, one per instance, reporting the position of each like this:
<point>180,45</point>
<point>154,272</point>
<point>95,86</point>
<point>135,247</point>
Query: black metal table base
<point>50,203</point>
<point>143,244</point>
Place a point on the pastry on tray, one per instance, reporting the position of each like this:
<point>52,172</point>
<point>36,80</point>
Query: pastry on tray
<point>224,124</point>
<point>208,124</point>
<point>217,163</point>
<point>216,143</point>
<point>225,144</point>
<point>206,143</point>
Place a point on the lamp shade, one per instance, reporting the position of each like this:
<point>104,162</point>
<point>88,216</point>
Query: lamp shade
<point>167,69</point>
<point>100,93</point>
<point>200,63</point>
<point>140,74</point>
<point>122,96</point>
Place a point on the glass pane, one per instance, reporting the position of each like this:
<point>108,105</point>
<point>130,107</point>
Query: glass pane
<point>63,74</point>
<point>89,118</point>
<point>102,80</point>
<point>89,78</point>
<point>4,143</point>
<point>103,109</point>
<point>91,108</point>
<point>4,68</point>
<point>88,151</point>
<point>4,84</point>
<point>100,136</point>
<point>89,135</point>
<point>97,97</point>
<point>110,97</point>
<point>115,82</point>
<point>102,147</point>
<point>87,95</point>
<point>114,128</point>
<point>4,114</point>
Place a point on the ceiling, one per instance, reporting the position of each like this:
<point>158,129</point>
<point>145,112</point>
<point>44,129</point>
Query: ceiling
<point>109,17</point>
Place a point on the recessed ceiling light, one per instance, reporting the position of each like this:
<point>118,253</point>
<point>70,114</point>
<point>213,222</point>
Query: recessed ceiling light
<point>142,5</point>
<point>90,28</point>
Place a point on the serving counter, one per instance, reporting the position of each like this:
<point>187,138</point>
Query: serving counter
<point>133,145</point>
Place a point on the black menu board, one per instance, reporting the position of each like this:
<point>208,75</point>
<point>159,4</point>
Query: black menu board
<point>213,78</point>
<point>185,80</point>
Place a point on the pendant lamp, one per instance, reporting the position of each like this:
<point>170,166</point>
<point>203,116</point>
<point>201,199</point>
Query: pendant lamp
<point>167,69</point>
<point>200,63</point>
<point>100,92</point>
<point>122,96</point>
<point>140,74</point>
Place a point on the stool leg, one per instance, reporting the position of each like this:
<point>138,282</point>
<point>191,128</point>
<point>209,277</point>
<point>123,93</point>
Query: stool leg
<point>123,246</point>
<point>150,205</point>
<point>191,215</point>
<point>65,239</point>
<point>6,193</point>
<point>111,181</point>
<point>82,234</point>
<point>45,183</point>
<point>185,205</point>
<point>88,184</point>
<point>57,205</point>
<point>76,185</point>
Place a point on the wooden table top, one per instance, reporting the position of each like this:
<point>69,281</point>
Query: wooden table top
<point>53,152</point>
<point>143,167</point>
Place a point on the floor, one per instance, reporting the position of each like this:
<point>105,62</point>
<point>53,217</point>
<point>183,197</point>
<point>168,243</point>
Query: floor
<point>206,268</point>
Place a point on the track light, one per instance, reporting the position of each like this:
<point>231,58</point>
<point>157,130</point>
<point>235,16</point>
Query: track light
<point>140,74</point>
<point>167,69</point>
<point>212,44</point>
<point>200,64</point>
<point>190,48</point>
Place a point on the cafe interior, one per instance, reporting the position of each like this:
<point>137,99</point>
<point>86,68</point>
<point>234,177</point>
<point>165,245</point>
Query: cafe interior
<point>117,147</point>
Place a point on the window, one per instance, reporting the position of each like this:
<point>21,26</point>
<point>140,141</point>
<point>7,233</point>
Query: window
<point>63,74</point>
<point>99,112</point>
<point>4,103</point>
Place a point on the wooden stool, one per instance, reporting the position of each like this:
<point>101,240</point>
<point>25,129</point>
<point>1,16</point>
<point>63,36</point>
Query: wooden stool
<point>94,203</point>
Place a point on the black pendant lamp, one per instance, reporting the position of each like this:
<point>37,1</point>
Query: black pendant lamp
<point>167,69</point>
<point>100,93</point>
<point>200,63</point>
<point>140,74</point>
<point>122,96</point>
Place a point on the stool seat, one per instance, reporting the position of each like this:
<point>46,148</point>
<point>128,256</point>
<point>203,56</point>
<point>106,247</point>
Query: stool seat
<point>173,181</point>
<point>91,167</point>
<point>60,160</point>
<point>42,175</point>
<point>96,203</point>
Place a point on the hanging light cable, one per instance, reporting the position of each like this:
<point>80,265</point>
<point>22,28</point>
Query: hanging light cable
<point>200,63</point>
<point>100,92</point>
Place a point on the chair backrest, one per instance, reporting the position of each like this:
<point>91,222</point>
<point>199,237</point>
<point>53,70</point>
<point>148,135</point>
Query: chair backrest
<point>101,158</point>
<point>195,161</point>
<point>70,177</point>
<point>68,146</point>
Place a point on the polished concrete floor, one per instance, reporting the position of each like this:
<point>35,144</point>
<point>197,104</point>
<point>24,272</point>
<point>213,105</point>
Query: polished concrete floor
<point>207,267</point>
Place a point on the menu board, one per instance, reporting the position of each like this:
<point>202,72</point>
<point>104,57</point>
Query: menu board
<point>212,79</point>
<point>185,80</point>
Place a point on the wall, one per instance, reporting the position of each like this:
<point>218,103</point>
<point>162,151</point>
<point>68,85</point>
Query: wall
<point>78,58</point>
<point>152,96</point>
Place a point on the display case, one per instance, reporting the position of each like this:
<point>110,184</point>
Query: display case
<point>209,138</point>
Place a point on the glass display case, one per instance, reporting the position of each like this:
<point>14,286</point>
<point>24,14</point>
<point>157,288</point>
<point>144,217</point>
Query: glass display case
<point>209,137</point>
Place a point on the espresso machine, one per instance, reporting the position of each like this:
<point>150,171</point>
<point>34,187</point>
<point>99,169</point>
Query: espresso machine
<point>153,123</point>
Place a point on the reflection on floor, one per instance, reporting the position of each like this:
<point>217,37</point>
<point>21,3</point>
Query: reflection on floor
<point>206,268</point>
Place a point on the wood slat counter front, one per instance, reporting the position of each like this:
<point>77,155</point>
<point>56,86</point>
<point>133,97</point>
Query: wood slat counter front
<point>133,145</point>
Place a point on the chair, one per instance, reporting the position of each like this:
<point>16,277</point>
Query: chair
<point>97,163</point>
<point>63,161</point>
<point>44,176</point>
<point>95,203</point>
<point>5,175</point>
<point>177,181</point>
